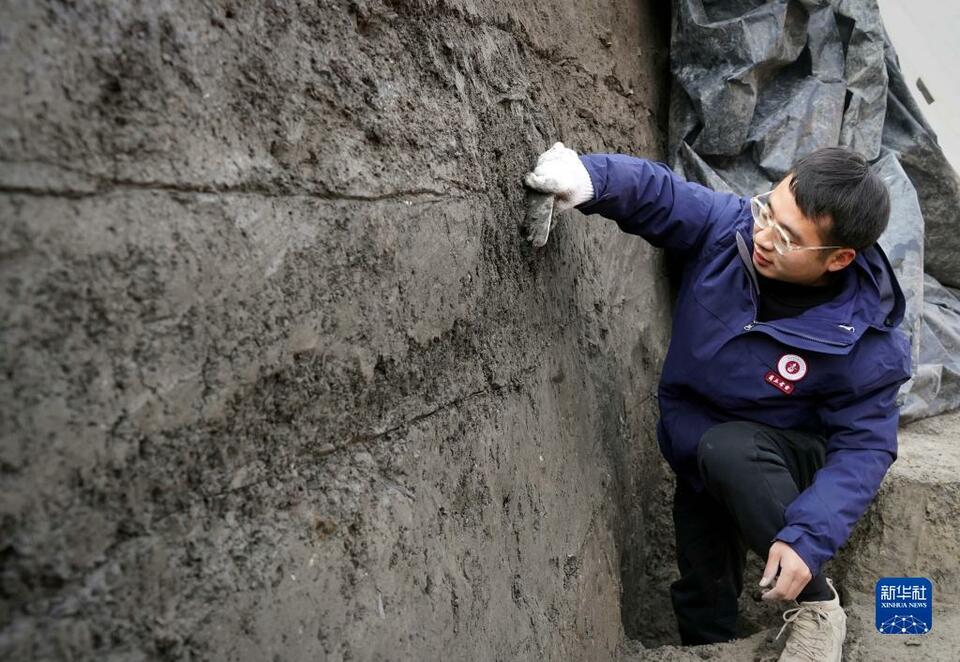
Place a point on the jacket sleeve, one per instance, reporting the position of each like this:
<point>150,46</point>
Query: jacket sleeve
<point>646,198</point>
<point>861,446</point>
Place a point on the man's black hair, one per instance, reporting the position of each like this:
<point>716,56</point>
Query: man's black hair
<point>836,183</point>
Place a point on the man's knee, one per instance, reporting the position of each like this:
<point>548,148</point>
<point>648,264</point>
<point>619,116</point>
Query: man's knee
<point>725,450</point>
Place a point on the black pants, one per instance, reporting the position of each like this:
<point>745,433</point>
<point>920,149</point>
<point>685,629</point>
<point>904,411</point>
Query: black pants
<point>752,472</point>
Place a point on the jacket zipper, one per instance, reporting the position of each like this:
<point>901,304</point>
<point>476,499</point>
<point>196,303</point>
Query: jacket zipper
<point>754,323</point>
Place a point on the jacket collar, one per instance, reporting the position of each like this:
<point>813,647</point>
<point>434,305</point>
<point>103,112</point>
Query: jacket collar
<point>870,297</point>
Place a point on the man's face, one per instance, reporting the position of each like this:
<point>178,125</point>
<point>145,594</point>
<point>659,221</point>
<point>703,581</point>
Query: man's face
<point>804,267</point>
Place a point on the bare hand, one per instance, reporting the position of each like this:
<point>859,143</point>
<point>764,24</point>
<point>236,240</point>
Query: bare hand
<point>794,573</point>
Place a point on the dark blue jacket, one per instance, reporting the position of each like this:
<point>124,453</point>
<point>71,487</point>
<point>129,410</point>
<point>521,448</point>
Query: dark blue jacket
<point>723,365</point>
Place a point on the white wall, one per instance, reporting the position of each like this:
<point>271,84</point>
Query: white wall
<point>926,34</point>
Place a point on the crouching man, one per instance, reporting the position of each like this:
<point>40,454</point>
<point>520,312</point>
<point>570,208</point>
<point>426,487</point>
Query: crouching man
<point>778,393</point>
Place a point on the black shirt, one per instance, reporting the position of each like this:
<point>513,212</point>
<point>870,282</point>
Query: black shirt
<point>779,299</point>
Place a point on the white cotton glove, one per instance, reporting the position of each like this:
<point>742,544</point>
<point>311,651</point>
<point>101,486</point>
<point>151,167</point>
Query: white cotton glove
<point>559,171</point>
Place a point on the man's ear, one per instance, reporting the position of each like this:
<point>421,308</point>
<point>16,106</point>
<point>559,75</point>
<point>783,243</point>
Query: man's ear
<point>841,259</point>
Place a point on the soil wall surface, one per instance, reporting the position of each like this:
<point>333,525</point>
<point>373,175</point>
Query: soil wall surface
<point>280,380</point>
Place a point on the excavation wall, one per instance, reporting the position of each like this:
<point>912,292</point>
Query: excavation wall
<point>280,380</point>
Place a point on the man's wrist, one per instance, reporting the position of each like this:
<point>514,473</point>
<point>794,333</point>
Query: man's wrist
<point>585,190</point>
<point>795,543</point>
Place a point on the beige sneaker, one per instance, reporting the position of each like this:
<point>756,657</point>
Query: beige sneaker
<point>817,633</point>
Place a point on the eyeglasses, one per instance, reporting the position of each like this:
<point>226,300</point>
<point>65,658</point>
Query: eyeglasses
<point>763,218</point>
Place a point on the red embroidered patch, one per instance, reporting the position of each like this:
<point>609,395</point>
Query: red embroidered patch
<point>774,379</point>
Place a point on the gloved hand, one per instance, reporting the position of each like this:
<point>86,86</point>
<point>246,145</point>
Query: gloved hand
<point>560,172</point>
